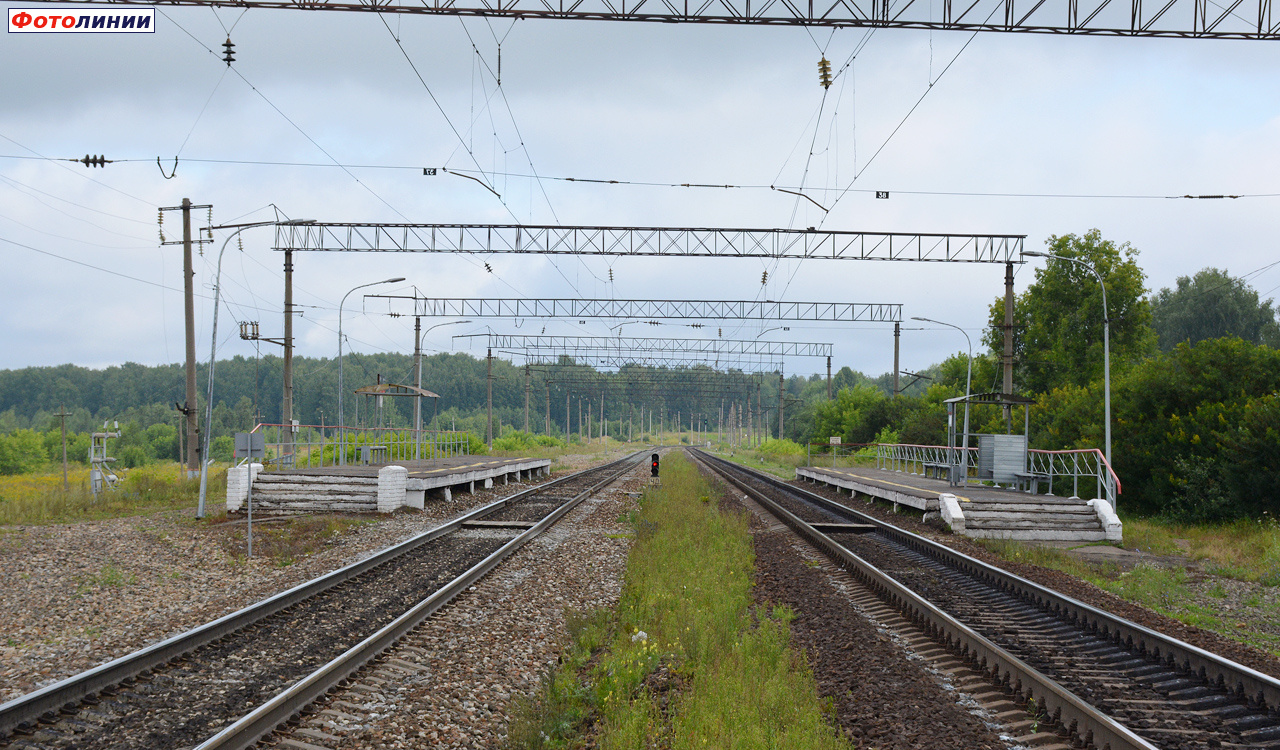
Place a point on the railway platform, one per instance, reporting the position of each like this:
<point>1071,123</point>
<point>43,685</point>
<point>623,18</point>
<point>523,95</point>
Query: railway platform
<point>374,488</point>
<point>977,511</point>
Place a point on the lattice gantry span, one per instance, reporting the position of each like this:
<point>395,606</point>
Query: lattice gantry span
<point>1237,19</point>
<point>660,360</point>
<point>843,312</point>
<point>618,345</point>
<point>652,241</point>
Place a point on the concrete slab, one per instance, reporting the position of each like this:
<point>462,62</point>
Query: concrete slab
<point>355,488</point>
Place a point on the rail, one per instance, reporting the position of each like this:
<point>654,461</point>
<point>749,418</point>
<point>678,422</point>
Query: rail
<point>1085,722</point>
<point>320,445</point>
<point>48,700</point>
<point>247,731</point>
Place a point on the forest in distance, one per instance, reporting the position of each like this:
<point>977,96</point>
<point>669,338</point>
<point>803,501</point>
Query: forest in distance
<point>1195,375</point>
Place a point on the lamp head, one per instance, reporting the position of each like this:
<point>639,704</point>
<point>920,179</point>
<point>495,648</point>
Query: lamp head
<point>922,320</point>
<point>1036,254</point>
<point>393,281</point>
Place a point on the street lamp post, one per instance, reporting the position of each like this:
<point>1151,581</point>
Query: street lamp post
<point>342,416</point>
<point>417,378</point>
<point>968,380</point>
<point>1106,342</point>
<point>213,347</point>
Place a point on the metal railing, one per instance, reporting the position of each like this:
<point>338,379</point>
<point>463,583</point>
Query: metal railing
<point>917,459</point>
<point>1074,465</point>
<point>318,445</point>
<point>1088,464</point>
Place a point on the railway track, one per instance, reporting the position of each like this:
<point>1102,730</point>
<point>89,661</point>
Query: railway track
<point>1104,681</point>
<point>230,682</point>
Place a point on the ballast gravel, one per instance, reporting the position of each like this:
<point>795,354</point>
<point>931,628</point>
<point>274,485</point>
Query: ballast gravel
<point>79,595</point>
<point>495,642</point>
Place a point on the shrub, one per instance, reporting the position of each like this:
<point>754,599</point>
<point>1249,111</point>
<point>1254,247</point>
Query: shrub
<point>21,451</point>
<point>781,448</point>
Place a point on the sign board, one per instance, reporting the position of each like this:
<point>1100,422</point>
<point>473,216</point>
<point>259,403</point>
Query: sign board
<point>835,439</point>
<point>250,445</point>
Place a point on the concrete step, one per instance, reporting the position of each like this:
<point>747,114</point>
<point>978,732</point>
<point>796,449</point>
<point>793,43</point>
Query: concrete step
<point>1037,535</point>
<point>1035,523</point>
<point>990,507</point>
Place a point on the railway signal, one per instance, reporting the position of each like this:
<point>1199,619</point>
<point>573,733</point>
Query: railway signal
<point>653,465</point>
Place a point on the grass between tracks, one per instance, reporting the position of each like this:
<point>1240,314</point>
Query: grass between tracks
<point>684,661</point>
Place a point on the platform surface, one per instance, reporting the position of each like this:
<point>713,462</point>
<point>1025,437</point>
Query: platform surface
<point>926,488</point>
<point>418,469</point>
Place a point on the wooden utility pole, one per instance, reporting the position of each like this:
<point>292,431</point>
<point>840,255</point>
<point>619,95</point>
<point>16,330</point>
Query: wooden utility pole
<point>897,337</point>
<point>489,419</point>
<point>190,408</point>
<point>62,415</point>
<point>1008,345</point>
<point>286,406</point>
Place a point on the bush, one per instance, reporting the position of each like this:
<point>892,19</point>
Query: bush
<point>21,451</point>
<point>519,440</point>
<point>223,448</point>
<point>133,456</point>
<point>781,448</point>
<point>1199,495</point>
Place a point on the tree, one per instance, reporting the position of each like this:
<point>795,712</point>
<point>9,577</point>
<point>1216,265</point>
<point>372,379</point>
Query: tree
<point>1058,333</point>
<point>1210,305</point>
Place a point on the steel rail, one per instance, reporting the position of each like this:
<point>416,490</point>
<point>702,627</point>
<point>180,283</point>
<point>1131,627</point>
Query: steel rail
<point>50,699</point>
<point>247,731</point>
<point>1238,679</point>
<point>1082,720</point>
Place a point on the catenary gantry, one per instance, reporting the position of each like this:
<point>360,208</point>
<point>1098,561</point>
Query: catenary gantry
<point>649,241</point>
<point>1237,19</point>
<point>670,309</point>
<point>573,345</point>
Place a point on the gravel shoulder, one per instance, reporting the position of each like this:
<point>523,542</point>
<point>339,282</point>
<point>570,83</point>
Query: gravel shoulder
<point>79,595</point>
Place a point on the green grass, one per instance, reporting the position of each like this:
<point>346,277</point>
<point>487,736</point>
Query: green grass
<point>1244,550</point>
<point>684,624</point>
<point>36,499</point>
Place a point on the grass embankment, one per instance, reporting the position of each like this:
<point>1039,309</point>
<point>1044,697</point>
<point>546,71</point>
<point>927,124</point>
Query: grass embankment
<point>684,661</point>
<point>32,499</point>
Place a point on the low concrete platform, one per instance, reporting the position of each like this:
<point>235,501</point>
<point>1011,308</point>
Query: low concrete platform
<point>374,488</point>
<point>976,511</point>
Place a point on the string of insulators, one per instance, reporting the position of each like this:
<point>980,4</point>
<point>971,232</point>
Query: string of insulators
<point>764,278</point>
<point>610,275</point>
<point>160,222</point>
<point>94,161</point>
<point>488,268</point>
<point>824,73</point>
<point>229,52</point>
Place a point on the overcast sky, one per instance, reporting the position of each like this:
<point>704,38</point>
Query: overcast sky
<point>1014,114</point>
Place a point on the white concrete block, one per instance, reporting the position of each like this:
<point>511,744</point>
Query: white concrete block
<point>1109,520</point>
<point>391,488</point>
<point>237,487</point>
<point>488,483</point>
<point>416,498</point>
<point>949,506</point>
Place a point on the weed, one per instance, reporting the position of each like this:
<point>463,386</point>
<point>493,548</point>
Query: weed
<point>685,607</point>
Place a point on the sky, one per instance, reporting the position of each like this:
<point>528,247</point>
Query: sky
<point>993,133</point>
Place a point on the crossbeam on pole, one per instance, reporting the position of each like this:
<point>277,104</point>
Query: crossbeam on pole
<point>1197,19</point>
<point>571,345</point>
<point>841,312</point>
<point>649,241</point>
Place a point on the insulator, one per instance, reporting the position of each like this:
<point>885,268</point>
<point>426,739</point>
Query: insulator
<point>764,278</point>
<point>161,236</point>
<point>228,55</point>
<point>161,212</point>
<point>488,268</point>
<point>824,73</point>
<point>610,275</point>
<point>240,243</point>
